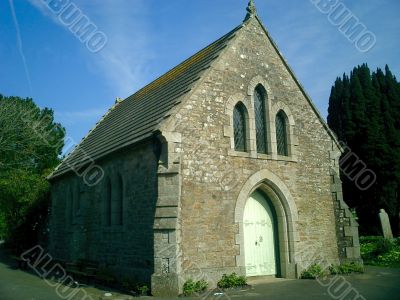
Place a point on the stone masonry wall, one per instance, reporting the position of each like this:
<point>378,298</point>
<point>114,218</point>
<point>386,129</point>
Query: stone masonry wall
<point>212,174</point>
<point>346,224</point>
<point>126,250</point>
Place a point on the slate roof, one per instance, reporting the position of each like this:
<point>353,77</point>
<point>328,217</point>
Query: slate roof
<point>137,117</point>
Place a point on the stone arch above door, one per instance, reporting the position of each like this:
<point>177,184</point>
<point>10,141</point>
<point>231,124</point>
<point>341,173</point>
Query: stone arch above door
<point>287,216</point>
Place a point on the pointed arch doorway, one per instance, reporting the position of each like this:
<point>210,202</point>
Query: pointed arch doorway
<point>280,201</point>
<point>260,236</point>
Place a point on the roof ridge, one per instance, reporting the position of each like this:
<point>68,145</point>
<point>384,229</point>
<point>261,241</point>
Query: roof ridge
<point>139,115</point>
<point>68,155</point>
<point>181,66</point>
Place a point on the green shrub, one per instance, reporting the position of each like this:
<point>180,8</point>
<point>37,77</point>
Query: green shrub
<point>383,246</point>
<point>32,228</point>
<point>392,258</point>
<point>142,290</point>
<point>334,269</point>
<point>312,272</point>
<point>131,285</point>
<point>367,250</point>
<point>346,269</point>
<point>374,246</point>
<point>380,252</point>
<point>232,281</point>
<point>355,267</point>
<point>191,287</point>
<point>201,285</point>
<point>369,239</point>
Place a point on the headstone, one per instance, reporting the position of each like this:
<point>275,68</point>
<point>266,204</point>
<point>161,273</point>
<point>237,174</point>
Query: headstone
<point>385,224</point>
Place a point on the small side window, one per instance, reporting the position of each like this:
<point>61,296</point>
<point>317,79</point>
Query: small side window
<point>240,127</point>
<point>281,133</point>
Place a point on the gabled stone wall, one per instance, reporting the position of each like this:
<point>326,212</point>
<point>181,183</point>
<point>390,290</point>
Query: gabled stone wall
<point>127,250</point>
<point>184,193</point>
<point>214,174</point>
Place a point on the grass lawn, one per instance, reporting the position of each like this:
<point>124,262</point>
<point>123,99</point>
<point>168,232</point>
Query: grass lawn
<point>377,251</point>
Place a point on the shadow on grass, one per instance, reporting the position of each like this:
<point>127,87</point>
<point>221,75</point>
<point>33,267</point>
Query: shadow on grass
<point>7,258</point>
<point>60,279</point>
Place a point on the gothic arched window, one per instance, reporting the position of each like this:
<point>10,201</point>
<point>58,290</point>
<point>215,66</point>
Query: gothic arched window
<point>261,129</point>
<point>75,202</point>
<point>107,202</point>
<point>117,209</point>
<point>281,134</point>
<point>70,206</point>
<point>240,127</point>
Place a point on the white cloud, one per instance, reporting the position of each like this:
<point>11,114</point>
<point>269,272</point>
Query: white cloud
<point>122,62</point>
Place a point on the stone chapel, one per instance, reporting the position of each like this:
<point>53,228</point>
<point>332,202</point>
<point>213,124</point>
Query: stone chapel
<point>221,165</point>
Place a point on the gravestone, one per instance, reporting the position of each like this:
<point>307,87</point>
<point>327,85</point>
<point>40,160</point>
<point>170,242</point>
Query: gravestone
<point>385,225</point>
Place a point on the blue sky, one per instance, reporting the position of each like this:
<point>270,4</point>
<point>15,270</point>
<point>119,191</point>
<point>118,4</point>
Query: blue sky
<point>146,38</point>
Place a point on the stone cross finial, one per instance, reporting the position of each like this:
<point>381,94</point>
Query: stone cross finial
<point>251,10</point>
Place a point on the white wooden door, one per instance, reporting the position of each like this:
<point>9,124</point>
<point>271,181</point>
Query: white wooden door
<point>259,239</point>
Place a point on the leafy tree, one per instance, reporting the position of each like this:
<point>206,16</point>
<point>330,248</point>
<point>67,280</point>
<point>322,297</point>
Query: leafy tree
<point>30,146</point>
<point>29,137</point>
<point>2,226</point>
<point>364,112</point>
<point>17,191</point>
<point>32,228</point>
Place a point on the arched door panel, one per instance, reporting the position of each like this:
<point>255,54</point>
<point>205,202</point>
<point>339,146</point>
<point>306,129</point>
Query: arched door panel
<point>259,236</point>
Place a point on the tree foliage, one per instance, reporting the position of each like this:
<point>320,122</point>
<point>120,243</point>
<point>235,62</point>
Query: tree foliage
<point>30,145</point>
<point>18,189</point>
<point>32,228</point>
<point>364,112</point>
<point>29,137</point>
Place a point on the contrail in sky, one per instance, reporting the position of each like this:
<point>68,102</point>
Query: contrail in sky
<point>19,44</point>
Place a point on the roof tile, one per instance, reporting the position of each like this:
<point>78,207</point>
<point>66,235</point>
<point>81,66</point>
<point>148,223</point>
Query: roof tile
<point>137,117</point>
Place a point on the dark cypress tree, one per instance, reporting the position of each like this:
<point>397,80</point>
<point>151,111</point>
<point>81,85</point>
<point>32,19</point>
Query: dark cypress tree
<point>348,125</point>
<point>335,107</point>
<point>393,130</point>
<point>364,111</point>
